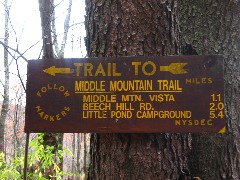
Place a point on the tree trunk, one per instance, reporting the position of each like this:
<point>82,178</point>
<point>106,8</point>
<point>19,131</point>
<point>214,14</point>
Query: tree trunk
<point>135,28</point>
<point>74,154</point>
<point>79,141</point>
<point>212,27</point>
<point>85,154</point>
<point>46,8</point>
<point>5,104</point>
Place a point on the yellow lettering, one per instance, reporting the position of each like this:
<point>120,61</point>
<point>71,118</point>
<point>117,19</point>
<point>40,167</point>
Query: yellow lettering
<point>96,106</point>
<point>66,94</point>
<point>136,65</point>
<point>100,70</point>
<point>124,106</point>
<point>41,114</point>
<point>94,114</point>
<point>38,108</point>
<point>67,108</point>
<point>146,71</point>
<point>109,70</point>
<point>51,118</point>
<point>89,86</point>
<point>210,81</point>
<point>61,88</point>
<point>145,106</point>
<point>46,117</point>
<point>195,122</point>
<point>63,113</point>
<point>39,94</point>
<point>114,69</point>
<point>121,114</point>
<point>99,98</point>
<point>44,89</point>
<point>78,65</point>
<point>55,87</point>
<point>203,80</point>
<point>49,86</point>
<point>131,85</point>
<point>169,85</point>
<point>161,97</point>
<point>58,117</point>
<point>149,112</point>
<point>153,66</point>
<point>88,69</point>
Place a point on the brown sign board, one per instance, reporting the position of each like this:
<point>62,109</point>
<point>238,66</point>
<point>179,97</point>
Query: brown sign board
<point>126,95</point>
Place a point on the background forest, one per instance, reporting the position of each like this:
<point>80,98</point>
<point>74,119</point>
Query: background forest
<point>21,39</point>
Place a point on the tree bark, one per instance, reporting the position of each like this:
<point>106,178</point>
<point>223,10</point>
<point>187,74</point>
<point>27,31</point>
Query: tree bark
<point>135,28</point>
<point>79,141</point>
<point>212,27</point>
<point>74,154</point>
<point>85,155</point>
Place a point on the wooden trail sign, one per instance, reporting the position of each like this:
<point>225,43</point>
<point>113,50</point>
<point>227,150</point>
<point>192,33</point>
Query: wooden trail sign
<point>126,94</point>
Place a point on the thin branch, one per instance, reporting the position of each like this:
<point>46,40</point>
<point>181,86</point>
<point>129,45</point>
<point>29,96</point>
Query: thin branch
<point>12,73</point>
<point>54,31</point>
<point>66,28</point>
<point>20,76</point>
<point>15,50</point>
<point>58,3</point>
<point>75,24</point>
<point>39,56</point>
<point>60,53</point>
<point>1,82</point>
<point>7,10</point>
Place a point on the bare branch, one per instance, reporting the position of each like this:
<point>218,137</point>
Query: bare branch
<point>2,95</point>
<point>59,3</point>
<point>75,24</point>
<point>11,73</point>
<point>66,28</point>
<point>60,53</point>
<point>10,22</point>
<point>1,82</point>
<point>54,31</point>
<point>39,56</point>
<point>20,78</point>
<point>15,50</point>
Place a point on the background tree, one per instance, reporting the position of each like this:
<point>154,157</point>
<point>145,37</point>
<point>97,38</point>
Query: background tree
<point>212,27</point>
<point>46,8</point>
<point>135,28</point>
<point>5,104</point>
<point>47,15</point>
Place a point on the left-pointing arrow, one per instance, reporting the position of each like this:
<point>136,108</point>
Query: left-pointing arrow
<point>53,70</point>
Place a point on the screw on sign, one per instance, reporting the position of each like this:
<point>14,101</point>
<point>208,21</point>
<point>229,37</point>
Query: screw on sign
<point>126,94</point>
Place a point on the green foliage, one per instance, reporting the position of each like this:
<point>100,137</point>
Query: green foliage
<point>40,159</point>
